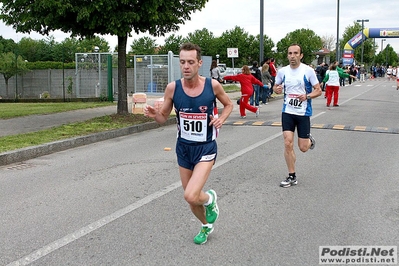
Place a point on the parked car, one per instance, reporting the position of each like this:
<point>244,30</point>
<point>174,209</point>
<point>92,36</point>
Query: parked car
<point>230,72</point>
<point>222,73</point>
<point>221,65</point>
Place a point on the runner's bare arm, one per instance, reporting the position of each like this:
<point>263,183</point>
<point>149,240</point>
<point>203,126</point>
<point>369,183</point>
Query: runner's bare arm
<point>222,96</point>
<point>160,116</point>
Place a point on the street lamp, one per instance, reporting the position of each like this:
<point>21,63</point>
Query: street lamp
<point>382,43</point>
<point>362,21</point>
<point>98,87</point>
<point>217,59</point>
<point>386,55</point>
<point>337,52</point>
<point>261,37</point>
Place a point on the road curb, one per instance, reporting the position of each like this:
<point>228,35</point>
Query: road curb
<point>62,145</point>
<point>28,153</point>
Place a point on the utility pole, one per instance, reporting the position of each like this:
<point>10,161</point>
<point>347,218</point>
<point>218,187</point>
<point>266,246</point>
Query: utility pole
<point>362,21</point>
<point>337,50</point>
<point>261,46</point>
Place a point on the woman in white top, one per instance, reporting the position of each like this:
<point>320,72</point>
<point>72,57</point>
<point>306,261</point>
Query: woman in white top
<point>332,83</point>
<point>215,71</point>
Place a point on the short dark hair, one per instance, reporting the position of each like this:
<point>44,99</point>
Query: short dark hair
<point>295,44</point>
<point>189,47</point>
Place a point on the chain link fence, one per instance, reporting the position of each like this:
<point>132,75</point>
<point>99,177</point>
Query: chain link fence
<point>92,77</point>
<point>92,74</point>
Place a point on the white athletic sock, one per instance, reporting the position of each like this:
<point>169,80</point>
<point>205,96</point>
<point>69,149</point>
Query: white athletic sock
<point>208,225</point>
<point>210,199</point>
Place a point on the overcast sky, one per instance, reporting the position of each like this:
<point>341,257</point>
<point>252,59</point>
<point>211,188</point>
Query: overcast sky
<point>280,18</point>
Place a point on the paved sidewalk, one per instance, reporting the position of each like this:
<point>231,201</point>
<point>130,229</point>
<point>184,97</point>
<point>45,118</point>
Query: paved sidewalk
<point>34,123</point>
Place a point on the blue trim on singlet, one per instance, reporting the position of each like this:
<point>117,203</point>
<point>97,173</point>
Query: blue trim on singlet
<point>308,89</point>
<point>203,103</point>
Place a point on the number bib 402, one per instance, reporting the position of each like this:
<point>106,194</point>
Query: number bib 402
<point>193,126</point>
<point>294,104</point>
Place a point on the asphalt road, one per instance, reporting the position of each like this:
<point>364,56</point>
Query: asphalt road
<point>119,201</point>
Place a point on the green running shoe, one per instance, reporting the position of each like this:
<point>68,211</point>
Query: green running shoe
<point>212,210</point>
<point>202,236</point>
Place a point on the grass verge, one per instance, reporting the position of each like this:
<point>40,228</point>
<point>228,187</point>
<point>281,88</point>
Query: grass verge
<point>95,125</point>
<point>11,110</point>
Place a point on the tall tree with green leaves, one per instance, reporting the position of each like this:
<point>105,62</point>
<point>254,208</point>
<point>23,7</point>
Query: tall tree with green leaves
<point>238,38</point>
<point>307,39</point>
<point>172,43</point>
<point>387,57</point>
<point>7,45</point>
<point>87,18</point>
<point>143,46</point>
<point>11,65</point>
<point>205,39</point>
<point>268,45</point>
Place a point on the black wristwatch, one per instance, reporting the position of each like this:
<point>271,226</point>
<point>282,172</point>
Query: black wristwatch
<point>308,97</point>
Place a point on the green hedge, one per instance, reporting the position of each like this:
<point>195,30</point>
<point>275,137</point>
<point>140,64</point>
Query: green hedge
<point>49,65</point>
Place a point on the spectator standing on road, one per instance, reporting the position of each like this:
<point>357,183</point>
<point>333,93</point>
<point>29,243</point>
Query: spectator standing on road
<point>389,73</point>
<point>353,72</point>
<point>300,85</point>
<point>341,80</point>
<point>215,71</point>
<point>362,71</point>
<point>194,99</point>
<point>273,71</point>
<point>246,80</point>
<point>267,81</point>
<point>332,83</point>
<point>318,71</point>
<point>254,100</point>
<point>397,80</point>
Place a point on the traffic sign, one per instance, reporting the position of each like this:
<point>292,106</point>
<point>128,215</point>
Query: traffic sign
<point>232,52</point>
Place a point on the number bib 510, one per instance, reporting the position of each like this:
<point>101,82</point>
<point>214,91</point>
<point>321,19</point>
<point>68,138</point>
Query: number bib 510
<point>193,126</point>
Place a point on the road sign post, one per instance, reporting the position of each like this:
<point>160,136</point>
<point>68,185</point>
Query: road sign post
<point>232,53</point>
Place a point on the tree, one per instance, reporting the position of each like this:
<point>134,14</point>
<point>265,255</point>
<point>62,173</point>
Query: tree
<point>143,46</point>
<point>87,18</point>
<point>172,43</point>
<point>65,51</point>
<point>35,50</point>
<point>387,57</point>
<point>268,45</point>
<point>11,65</point>
<point>307,39</point>
<point>7,45</point>
<point>205,40</point>
<point>238,38</point>
<point>328,42</point>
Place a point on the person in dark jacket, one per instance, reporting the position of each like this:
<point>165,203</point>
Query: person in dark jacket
<point>255,71</point>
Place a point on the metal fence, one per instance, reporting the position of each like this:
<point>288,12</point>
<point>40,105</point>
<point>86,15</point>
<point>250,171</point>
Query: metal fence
<point>92,74</point>
<point>90,79</point>
<point>153,72</point>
